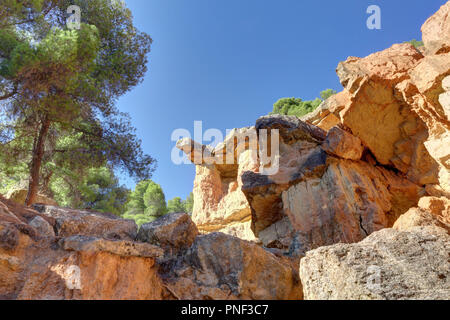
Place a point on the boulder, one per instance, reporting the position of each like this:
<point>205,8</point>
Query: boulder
<point>70,222</point>
<point>300,156</point>
<point>173,232</point>
<point>219,266</point>
<point>343,144</point>
<point>439,207</point>
<point>389,264</point>
<point>42,226</point>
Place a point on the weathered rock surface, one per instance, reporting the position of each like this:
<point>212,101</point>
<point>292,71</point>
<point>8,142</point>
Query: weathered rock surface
<point>436,31</point>
<point>173,232</point>
<point>221,266</point>
<point>362,162</point>
<point>417,217</point>
<point>353,166</point>
<point>389,264</point>
<point>431,211</point>
<point>315,198</point>
<point>347,203</point>
<point>42,226</point>
<point>90,269</point>
<point>397,102</point>
<point>219,203</point>
<point>343,144</point>
<point>326,116</point>
<point>90,264</point>
<point>77,222</point>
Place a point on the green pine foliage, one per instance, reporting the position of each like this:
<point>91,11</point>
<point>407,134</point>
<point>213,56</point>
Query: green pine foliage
<point>415,43</point>
<point>177,205</point>
<point>298,107</point>
<point>146,203</point>
<point>58,84</point>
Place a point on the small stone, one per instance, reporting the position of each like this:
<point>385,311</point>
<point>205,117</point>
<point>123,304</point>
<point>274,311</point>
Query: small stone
<point>42,226</point>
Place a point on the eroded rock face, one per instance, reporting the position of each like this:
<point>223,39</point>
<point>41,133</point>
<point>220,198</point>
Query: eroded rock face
<point>93,269</point>
<point>173,232</point>
<point>385,124</point>
<point>300,157</point>
<point>219,204</point>
<point>389,264</point>
<point>436,31</point>
<point>78,222</point>
<point>431,211</point>
<point>343,144</point>
<point>397,102</point>
<point>347,203</point>
<point>327,115</point>
<point>353,166</point>
<point>317,197</point>
<point>37,265</point>
<point>221,266</point>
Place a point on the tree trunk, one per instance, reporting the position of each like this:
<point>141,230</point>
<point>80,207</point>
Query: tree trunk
<point>36,162</point>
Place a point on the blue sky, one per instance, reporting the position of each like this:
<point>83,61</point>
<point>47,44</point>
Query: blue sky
<point>226,62</point>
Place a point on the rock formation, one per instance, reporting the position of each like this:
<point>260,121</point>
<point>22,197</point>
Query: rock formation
<point>349,202</point>
<point>409,261</point>
<point>351,168</point>
<point>389,264</point>
<point>57,253</point>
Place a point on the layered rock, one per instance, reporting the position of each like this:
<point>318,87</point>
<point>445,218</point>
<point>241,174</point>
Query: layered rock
<point>409,261</point>
<point>343,144</point>
<point>347,203</point>
<point>170,261</point>
<point>219,203</point>
<point>82,268</point>
<point>316,197</point>
<point>397,102</point>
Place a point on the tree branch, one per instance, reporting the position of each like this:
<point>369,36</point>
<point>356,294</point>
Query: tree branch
<point>11,94</point>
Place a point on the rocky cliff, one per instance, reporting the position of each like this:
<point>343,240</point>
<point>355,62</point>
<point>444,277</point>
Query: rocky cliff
<point>359,208</point>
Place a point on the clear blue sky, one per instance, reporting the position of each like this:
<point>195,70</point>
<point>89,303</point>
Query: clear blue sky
<point>227,62</point>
